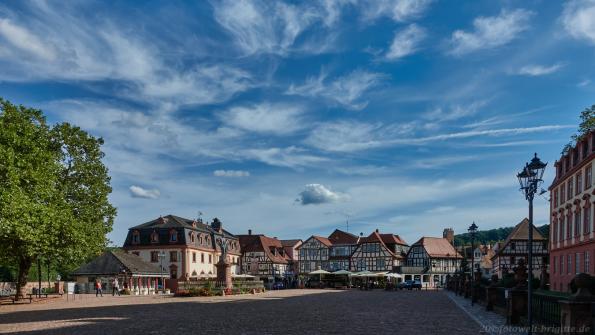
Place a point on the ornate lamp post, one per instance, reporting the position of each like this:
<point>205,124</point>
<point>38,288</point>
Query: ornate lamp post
<point>472,231</point>
<point>530,178</point>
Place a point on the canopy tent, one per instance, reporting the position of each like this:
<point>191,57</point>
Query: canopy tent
<point>394,275</point>
<point>242,276</point>
<point>343,272</point>
<point>364,274</point>
<point>319,272</point>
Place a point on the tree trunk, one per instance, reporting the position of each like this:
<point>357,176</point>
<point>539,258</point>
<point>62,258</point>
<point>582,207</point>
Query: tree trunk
<point>24,266</point>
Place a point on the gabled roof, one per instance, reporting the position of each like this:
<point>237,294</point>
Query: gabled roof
<point>438,247</point>
<point>392,239</point>
<point>323,240</point>
<point>268,245</point>
<point>115,262</point>
<point>290,243</point>
<point>376,237</point>
<point>173,221</point>
<point>520,233</point>
<point>342,237</point>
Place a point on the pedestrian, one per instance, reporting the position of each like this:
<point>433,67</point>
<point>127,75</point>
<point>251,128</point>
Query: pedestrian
<point>98,290</point>
<point>115,287</point>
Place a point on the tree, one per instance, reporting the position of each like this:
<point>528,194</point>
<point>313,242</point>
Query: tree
<point>53,191</point>
<point>587,124</point>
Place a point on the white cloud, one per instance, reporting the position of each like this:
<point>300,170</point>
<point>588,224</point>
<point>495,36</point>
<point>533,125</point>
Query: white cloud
<point>491,32</point>
<point>398,10</point>
<point>346,91</point>
<point>583,83</point>
<point>539,70</point>
<point>406,42</point>
<point>291,157</point>
<point>231,173</point>
<point>280,119</point>
<point>578,19</point>
<point>25,40</point>
<point>139,192</point>
<point>438,162</point>
<point>455,112</point>
<point>316,194</point>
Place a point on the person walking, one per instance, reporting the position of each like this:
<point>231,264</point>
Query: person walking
<point>98,290</point>
<point>115,287</point>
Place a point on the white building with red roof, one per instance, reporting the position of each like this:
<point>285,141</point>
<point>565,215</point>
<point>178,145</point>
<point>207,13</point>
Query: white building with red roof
<point>431,260</point>
<point>378,253</point>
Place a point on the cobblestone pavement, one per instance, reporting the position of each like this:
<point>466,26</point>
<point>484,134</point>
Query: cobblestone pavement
<point>278,312</point>
<point>490,322</point>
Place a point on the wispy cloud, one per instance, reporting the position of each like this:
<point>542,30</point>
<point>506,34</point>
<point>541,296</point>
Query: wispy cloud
<point>231,173</point>
<point>316,194</point>
<point>291,157</point>
<point>578,19</point>
<point>267,118</point>
<point>455,112</point>
<point>490,32</point>
<point>584,82</point>
<point>406,42</point>
<point>539,70</point>
<point>346,91</point>
<point>398,10</point>
<point>139,192</point>
<point>439,162</point>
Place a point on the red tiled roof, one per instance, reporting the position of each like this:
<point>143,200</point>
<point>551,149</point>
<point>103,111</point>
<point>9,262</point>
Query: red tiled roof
<point>438,247</point>
<point>376,237</point>
<point>290,243</point>
<point>392,239</point>
<point>261,243</point>
<point>341,237</point>
<point>323,240</point>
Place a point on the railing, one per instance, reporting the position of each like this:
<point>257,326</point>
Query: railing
<point>500,300</point>
<point>546,309</point>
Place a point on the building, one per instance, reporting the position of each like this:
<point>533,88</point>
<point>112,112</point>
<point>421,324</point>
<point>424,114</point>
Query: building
<point>190,248</point>
<point>263,257</point>
<point>378,253</point>
<point>132,272</point>
<point>482,260</point>
<point>343,246</point>
<point>431,260</point>
<point>314,254</point>
<point>291,250</point>
<point>515,247</point>
<point>571,240</point>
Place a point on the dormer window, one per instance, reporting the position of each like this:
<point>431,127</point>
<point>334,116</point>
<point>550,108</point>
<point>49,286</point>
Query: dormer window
<point>173,236</point>
<point>154,237</point>
<point>135,237</point>
<point>192,237</point>
<point>200,240</point>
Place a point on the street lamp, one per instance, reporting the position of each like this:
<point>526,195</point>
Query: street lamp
<point>472,231</point>
<point>161,256</point>
<point>530,178</point>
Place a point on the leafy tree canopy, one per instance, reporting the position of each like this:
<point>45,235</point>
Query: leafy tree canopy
<point>587,124</point>
<point>53,191</point>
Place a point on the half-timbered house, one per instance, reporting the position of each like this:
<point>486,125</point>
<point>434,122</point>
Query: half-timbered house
<point>378,253</point>
<point>515,247</point>
<point>431,260</point>
<point>263,257</point>
<point>314,254</point>
<point>343,246</point>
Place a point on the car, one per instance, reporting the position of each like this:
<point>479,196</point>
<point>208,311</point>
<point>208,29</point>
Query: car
<point>278,285</point>
<point>407,284</point>
<point>416,284</point>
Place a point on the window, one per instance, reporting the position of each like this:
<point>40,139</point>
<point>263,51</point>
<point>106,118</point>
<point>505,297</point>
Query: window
<point>202,257</point>
<point>568,224</point>
<point>556,199</point>
<point>569,186</point>
<point>569,265</point>
<point>561,264</point>
<point>154,237</point>
<point>512,246</point>
<point>579,183</point>
<point>561,228</point>
<point>136,237</point>
<point>194,257</point>
<point>587,262</point>
<point>173,256</point>
<point>210,259</point>
<point>380,264</point>
<point>586,220</point>
<point>192,237</point>
<point>562,195</point>
<point>154,256</point>
<point>577,262</point>
<point>173,236</point>
<point>555,263</point>
<point>588,177</point>
<point>555,229</point>
<point>577,223</point>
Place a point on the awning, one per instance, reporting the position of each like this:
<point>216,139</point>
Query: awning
<point>319,272</point>
<point>242,276</point>
<point>342,272</point>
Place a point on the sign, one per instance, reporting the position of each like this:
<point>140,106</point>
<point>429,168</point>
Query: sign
<point>70,288</point>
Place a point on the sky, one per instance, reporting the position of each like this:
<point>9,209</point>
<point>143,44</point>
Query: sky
<point>294,118</point>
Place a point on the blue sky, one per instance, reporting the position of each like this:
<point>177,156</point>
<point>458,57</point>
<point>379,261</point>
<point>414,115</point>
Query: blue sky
<point>287,118</point>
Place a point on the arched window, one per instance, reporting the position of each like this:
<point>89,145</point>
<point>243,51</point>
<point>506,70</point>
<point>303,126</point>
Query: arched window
<point>135,237</point>
<point>154,237</point>
<point>192,237</point>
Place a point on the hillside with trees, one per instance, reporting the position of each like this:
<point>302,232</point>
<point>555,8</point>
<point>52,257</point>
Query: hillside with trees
<point>493,235</point>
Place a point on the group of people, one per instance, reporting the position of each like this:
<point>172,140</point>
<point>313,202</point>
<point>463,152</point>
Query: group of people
<point>99,287</point>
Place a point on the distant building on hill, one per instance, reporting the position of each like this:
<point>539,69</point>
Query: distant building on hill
<point>572,234</point>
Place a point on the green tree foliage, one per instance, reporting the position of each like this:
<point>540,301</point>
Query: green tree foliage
<point>587,124</point>
<point>53,191</point>
<point>492,235</point>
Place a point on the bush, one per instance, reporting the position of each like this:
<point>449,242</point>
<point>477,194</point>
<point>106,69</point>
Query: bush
<point>125,291</point>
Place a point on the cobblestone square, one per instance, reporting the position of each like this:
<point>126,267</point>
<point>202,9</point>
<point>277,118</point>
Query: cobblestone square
<point>276,312</point>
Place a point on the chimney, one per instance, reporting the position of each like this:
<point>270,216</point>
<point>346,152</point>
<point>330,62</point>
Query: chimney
<point>376,229</point>
<point>449,235</point>
<point>249,231</point>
